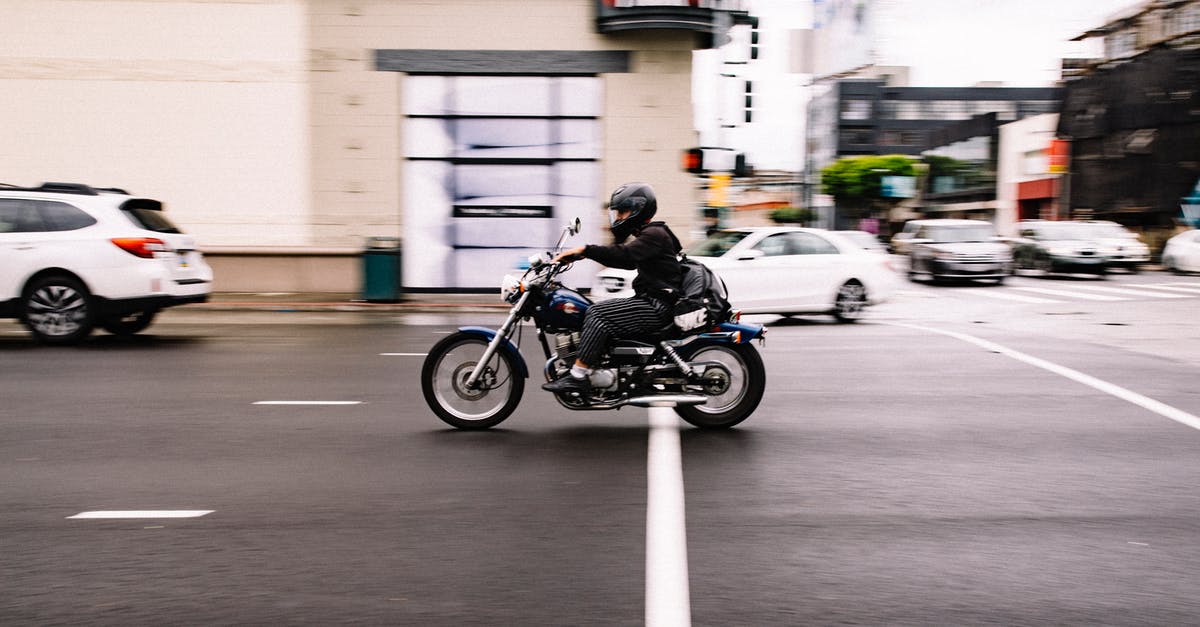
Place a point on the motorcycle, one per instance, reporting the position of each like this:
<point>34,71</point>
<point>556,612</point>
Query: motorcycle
<point>475,378</point>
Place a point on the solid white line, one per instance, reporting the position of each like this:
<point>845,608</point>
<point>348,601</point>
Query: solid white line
<point>143,513</point>
<point>667,598</point>
<point>307,402</point>
<point>1145,402</point>
<point>1067,293</point>
<point>1011,296</point>
<point>1128,291</point>
<point>404,354</point>
<point>1174,287</point>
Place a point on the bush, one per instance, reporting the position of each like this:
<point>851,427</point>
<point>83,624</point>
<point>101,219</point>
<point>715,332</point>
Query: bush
<point>789,215</point>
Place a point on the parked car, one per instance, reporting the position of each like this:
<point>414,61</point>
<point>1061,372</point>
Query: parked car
<point>1120,245</point>
<point>1182,252</point>
<point>899,242</point>
<point>1050,246</point>
<point>867,241</point>
<point>782,270</point>
<point>958,249</point>
<point>73,257</point>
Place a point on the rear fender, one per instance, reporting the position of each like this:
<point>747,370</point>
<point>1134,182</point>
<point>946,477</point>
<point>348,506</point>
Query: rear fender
<point>745,332</point>
<point>507,347</point>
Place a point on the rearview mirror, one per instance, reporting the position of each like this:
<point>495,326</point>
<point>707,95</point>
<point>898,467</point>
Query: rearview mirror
<point>574,227</point>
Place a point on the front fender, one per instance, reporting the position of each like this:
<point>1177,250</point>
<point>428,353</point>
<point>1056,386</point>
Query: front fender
<point>507,347</point>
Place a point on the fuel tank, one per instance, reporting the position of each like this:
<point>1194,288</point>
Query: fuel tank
<point>563,310</point>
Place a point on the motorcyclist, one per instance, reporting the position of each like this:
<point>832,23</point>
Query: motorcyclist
<point>653,253</point>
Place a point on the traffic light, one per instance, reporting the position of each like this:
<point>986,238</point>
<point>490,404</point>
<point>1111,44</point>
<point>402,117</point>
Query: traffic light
<point>749,109</point>
<point>753,38</point>
<point>693,160</point>
<point>740,167</point>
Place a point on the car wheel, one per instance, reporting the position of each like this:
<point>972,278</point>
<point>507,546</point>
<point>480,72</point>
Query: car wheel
<point>57,310</point>
<point>850,301</point>
<point>130,323</point>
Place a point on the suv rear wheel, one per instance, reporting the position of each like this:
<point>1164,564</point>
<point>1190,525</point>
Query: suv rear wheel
<point>57,310</point>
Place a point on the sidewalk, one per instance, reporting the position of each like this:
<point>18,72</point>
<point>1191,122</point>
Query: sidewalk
<point>323,301</point>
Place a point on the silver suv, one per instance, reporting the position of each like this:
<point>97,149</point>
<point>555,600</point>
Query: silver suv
<point>73,257</point>
<point>958,249</point>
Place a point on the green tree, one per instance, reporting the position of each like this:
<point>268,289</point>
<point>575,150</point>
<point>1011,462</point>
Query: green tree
<point>855,182</point>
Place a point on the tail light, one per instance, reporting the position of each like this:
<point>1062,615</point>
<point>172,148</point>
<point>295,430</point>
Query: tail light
<point>143,247</point>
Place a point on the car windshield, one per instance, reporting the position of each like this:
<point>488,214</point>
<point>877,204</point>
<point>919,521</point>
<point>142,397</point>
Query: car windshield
<point>717,244</point>
<point>966,233</point>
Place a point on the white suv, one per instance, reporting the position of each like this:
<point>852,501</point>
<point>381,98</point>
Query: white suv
<point>73,257</point>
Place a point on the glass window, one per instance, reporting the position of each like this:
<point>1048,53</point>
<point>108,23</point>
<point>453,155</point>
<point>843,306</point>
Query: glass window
<point>717,244</point>
<point>856,110</point>
<point>150,218</point>
<point>18,215</point>
<point>59,216</point>
<point>809,244</point>
<point>775,245</point>
<point>857,137</point>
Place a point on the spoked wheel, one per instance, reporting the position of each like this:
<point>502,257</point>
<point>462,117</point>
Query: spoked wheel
<point>58,310</point>
<point>733,381</point>
<point>444,382</point>
<point>850,301</point>
<point>130,323</point>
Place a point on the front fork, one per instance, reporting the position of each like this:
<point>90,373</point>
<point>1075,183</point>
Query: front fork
<point>514,317</point>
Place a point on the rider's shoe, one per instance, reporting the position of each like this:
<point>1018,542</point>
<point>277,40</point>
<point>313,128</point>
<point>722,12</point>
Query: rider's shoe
<point>569,385</point>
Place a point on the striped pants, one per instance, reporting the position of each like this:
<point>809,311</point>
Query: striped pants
<point>619,317</point>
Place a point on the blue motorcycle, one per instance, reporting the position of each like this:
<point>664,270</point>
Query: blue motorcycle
<point>474,378</point>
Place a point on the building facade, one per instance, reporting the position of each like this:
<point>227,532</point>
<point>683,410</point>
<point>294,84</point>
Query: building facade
<point>859,117</point>
<point>1133,120</point>
<point>285,133</point>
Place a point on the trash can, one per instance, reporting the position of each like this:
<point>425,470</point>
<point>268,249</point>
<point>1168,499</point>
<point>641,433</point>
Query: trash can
<point>381,270</point>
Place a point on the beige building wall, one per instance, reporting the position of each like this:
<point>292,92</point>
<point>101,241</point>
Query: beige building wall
<point>266,129</point>
<point>358,128</point>
<point>198,103</point>
<point>1022,157</point>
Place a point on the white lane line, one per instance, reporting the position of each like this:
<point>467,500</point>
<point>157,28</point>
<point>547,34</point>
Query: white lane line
<point>1011,296</point>
<point>1128,291</point>
<point>1174,287</point>
<point>667,597</point>
<point>307,402</point>
<point>143,513</point>
<point>1145,402</point>
<point>404,354</point>
<point>1068,294</point>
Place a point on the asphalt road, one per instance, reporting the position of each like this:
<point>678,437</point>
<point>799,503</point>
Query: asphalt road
<point>893,475</point>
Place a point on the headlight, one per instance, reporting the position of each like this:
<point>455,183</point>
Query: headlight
<point>510,286</point>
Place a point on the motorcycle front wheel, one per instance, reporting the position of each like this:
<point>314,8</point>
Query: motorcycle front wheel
<point>734,389</point>
<point>444,382</point>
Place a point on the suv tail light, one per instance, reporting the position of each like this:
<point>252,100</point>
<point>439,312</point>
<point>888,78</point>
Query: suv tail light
<point>143,247</point>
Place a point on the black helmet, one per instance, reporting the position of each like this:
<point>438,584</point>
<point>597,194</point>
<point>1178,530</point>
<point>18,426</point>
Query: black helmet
<point>636,198</point>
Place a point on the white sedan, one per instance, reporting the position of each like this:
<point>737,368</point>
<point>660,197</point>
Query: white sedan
<point>782,270</point>
<point>1182,252</point>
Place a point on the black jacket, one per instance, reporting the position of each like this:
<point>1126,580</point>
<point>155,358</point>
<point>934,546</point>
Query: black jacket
<point>652,252</point>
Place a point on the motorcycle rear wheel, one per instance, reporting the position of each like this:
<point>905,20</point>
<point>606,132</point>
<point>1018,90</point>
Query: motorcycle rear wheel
<point>747,382</point>
<point>443,382</point>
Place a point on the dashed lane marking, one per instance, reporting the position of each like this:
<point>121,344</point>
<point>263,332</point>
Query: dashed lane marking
<point>992,293</point>
<point>142,513</point>
<point>1184,288</point>
<point>1128,291</point>
<point>1069,294</point>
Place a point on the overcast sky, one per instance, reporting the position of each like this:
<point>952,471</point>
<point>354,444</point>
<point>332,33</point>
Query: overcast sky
<point>961,42</point>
